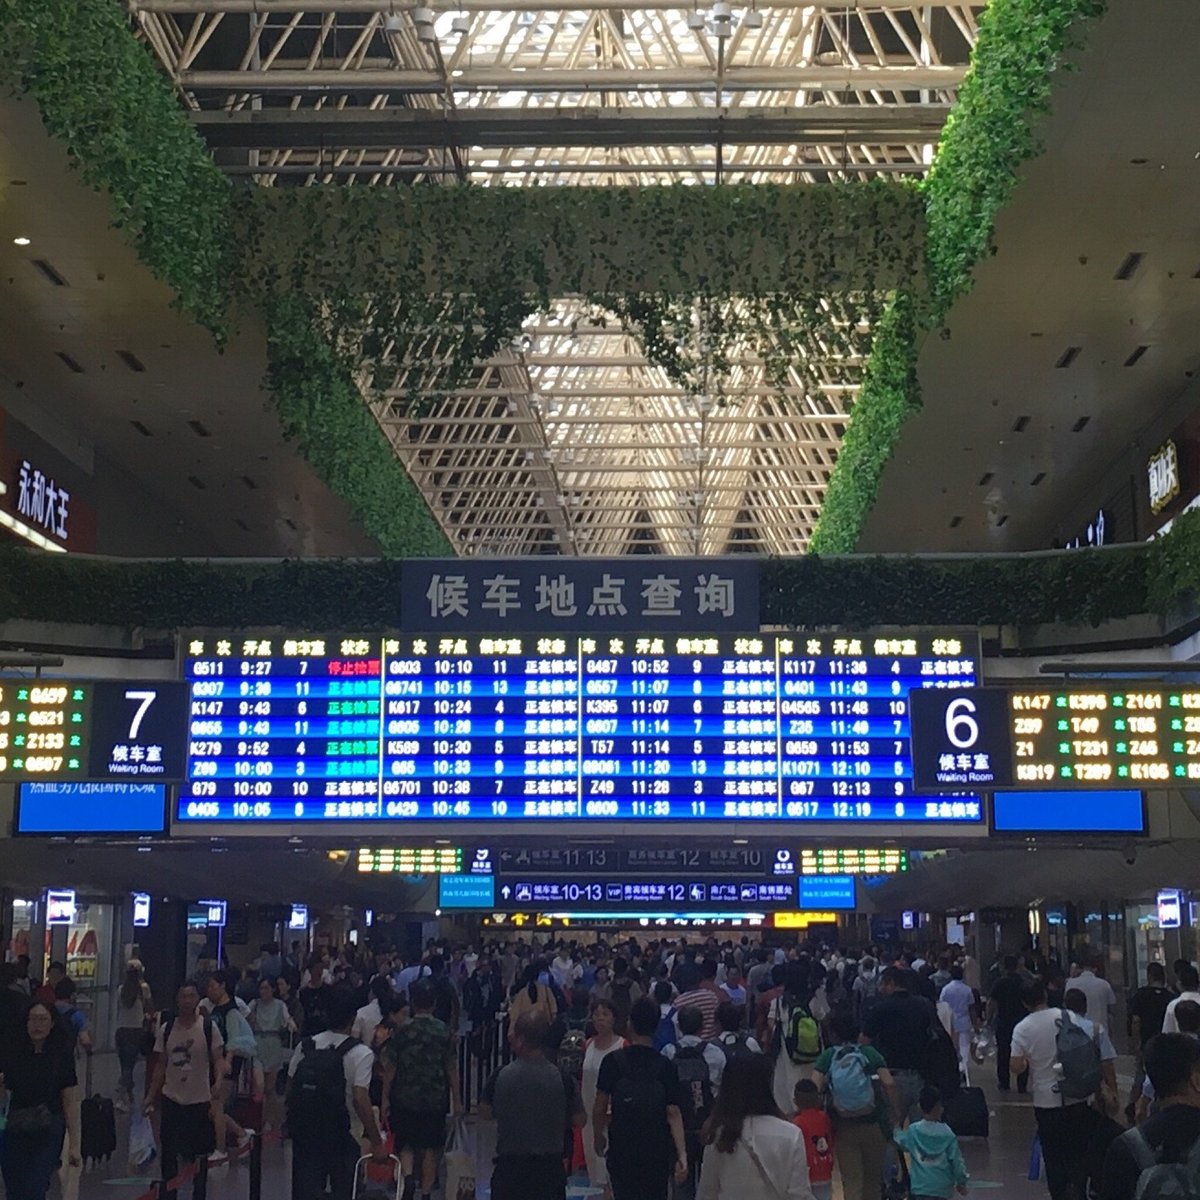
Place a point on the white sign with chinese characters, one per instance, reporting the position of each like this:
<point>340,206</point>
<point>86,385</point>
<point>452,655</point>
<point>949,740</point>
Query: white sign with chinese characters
<point>606,593</point>
<point>42,501</point>
<point>1162,473</point>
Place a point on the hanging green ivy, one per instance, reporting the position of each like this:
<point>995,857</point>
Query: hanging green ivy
<point>1083,587</point>
<point>991,132</point>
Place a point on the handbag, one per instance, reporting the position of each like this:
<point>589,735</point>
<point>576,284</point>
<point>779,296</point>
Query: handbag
<point>37,1119</point>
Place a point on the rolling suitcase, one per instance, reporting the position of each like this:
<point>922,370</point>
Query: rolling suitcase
<point>365,1189</point>
<point>967,1112</point>
<point>98,1124</point>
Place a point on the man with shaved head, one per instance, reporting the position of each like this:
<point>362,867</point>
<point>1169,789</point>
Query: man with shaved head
<point>535,1105</point>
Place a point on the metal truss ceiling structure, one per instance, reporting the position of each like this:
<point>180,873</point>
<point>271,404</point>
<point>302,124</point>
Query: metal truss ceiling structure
<point>571,441</point>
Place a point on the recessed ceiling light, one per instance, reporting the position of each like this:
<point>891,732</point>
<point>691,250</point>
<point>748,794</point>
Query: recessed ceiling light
<point>20,241</point>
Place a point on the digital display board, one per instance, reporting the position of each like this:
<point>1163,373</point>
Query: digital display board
<point>60,907</point>
<point>865,860</point>
<point>826,891</point>
<point>608,727</point>
<point>62,809</point>
<point>466,891</point>
<point>410,860</point>
<point>619,893</point>
<point>1069,812</point>
<point>92,730</point>
<point>1036,737</point>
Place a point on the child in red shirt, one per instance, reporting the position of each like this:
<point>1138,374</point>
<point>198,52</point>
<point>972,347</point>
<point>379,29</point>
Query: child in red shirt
<point>814,1123</point>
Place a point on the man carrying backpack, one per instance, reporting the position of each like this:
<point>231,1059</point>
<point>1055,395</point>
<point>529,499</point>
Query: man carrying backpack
<point>644,1136</point>
<point>733,1040</point>
<point>328,1098</point>
<point>189,1056</point>
<point>901,1028</point>
<point>1162,1157</point>
<point>699,1065</point>
<point>1062,1053</point>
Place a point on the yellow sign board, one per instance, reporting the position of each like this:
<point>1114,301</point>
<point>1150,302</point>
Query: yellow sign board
<point>802,920</point>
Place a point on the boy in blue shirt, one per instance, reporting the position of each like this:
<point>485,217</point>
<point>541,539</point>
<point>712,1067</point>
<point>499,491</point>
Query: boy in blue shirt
<point>936,1166</point>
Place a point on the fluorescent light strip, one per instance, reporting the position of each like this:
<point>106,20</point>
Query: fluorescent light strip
<point>27,531</point>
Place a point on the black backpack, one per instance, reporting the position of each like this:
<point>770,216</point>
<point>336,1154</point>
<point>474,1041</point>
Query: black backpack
<point>639,1104</point>
<point>316,1096</point>
<point>692,1068</point>
<point>445,1002</point>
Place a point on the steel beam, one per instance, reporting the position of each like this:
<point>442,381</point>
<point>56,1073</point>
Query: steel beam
<point>735,79</point>
<point>411,128</point>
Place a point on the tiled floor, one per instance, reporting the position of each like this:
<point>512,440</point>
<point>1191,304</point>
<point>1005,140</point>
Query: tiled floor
<point>999,1166</point>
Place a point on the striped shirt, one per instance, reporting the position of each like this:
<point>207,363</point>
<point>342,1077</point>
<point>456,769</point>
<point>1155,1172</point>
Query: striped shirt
<point>706,1000</point>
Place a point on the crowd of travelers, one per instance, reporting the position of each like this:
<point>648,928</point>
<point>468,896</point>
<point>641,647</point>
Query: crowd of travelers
<point>661,1070</point>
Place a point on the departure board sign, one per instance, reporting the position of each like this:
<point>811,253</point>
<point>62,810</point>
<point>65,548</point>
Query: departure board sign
<point>610,727</point>
<point>89,730</point>
<point>410,860</point>
<point>1115,735</point>
<point>866,860</point>
<point>676,893</point>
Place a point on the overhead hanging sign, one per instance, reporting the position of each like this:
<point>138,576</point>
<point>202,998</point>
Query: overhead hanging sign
<point>1162,476</point>
<point>1035,737</point>
<point>651,594</point>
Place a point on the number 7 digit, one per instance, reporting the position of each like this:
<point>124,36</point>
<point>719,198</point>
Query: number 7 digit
<point>147,699</point>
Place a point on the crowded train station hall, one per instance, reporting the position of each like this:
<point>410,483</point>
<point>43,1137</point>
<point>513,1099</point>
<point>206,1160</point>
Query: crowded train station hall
<point>598,599</point>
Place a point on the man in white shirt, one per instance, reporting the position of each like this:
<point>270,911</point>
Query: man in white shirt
<point>565,969</point>
<point>1064,1124</point>
<point>1189,981</point>
<point>325,1144</point>
<point>1099,993</point>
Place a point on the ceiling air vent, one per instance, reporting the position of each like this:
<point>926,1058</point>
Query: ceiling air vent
<point>242,525</point>
<point>141,428</point>
<point>955,522</point>
<point>71,363</point>
<point>132,361</point>
<point>1037,479</point>
<point>1138,351</point>
<point>986,478</point>
<point>249,483</point>
<point>1019,424</point>
<point>200,429</point>
<point>1069,355</point>
<point>1133,260</point>
<point>197,483</point>
<point>1002,520</point>
<point>1080,425</point>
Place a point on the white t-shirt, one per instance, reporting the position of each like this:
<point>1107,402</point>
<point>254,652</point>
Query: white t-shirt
<point>1099,993</point>
<point>357,1066</point>
<point>1170,1025</point>
<point>959,998</point>
<point>366,1021</point>
<point>1035,1039</point>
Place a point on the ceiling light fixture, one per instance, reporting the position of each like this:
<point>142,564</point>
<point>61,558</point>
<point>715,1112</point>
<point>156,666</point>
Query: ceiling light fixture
<point>20,241</point>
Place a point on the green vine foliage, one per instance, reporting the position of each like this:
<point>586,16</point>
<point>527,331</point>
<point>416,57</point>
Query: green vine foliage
<point>321,407</point>
<point>991,131</point>
<point>102,96</point>
<point>1081,587</point>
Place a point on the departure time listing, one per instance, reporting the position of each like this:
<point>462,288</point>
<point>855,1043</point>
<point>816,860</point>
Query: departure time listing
<point>605,726</point>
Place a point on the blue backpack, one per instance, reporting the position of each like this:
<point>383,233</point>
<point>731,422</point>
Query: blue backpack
<point>664,1035</point>
<point>850,1083</point>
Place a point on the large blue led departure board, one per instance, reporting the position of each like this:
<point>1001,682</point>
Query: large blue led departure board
<point>586,727</point>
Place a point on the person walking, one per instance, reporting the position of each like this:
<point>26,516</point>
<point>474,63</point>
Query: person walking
<point>862,1115</point>
<point>240,1049</point>
<point>1064,1121</point>
<point>1172,1135</point>
<point>38,1082</point>
<point>1144,1017</point>
<point>901,1028</point>
<point>1005,1010</point>
<point>535,1105</point>
<point>961,1002</point>
<point>1189,989</point>
<point>531,995</point>
<point>271,1023</point>
<point>328,1104</point>
<point>189,1057</point>
<point>1101,999</point>
<point>135,1011</point>
<point>753,1152</point>
<point>420,1086</point>
<point>936,1167</point>
<point>637,1119</point>
<point>604,1041</point>
<point>793,1033</point>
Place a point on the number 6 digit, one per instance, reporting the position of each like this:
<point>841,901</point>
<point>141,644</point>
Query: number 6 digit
<point>959,716</point>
